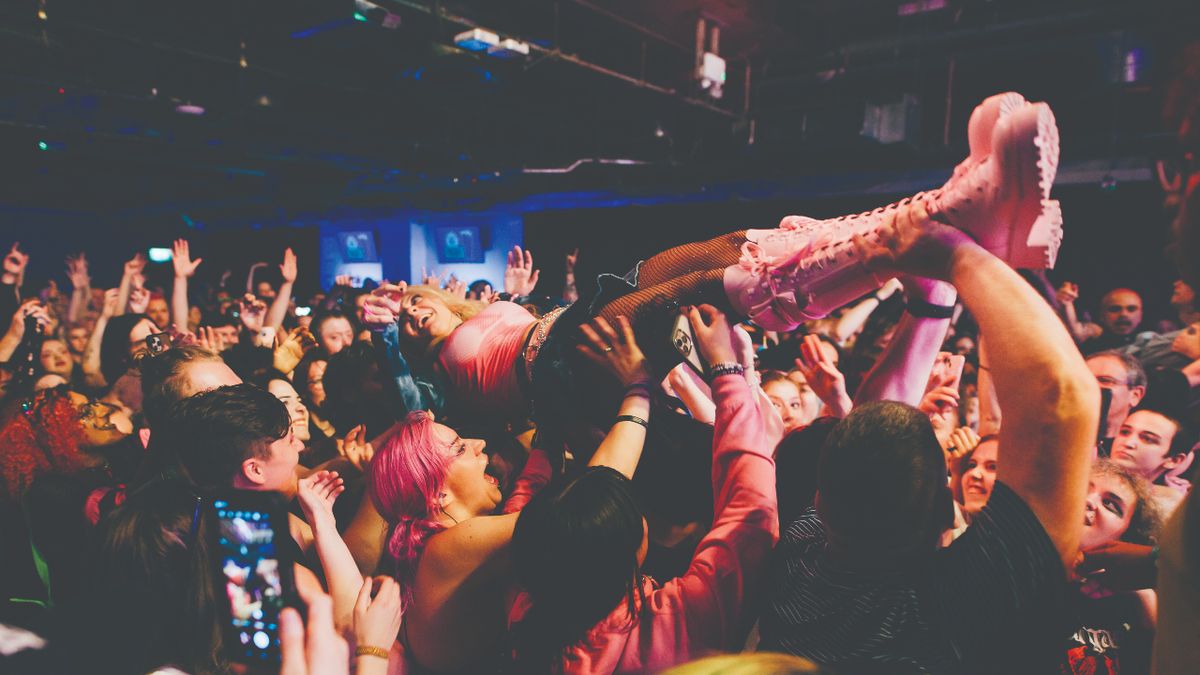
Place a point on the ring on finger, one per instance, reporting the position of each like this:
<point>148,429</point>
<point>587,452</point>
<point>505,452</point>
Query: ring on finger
<point>608,349</point>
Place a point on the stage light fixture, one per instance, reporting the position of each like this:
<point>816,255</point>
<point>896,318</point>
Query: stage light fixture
<point>478,40</point>
<point>509,49</point>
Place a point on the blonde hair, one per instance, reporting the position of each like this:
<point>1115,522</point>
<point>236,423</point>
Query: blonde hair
<point>462,308</point>
<point>756,663</point>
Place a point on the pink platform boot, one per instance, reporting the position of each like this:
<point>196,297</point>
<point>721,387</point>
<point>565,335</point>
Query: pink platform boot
<point>999,194</point>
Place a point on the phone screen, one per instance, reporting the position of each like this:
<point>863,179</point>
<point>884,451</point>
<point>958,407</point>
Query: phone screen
<point>251,576</point>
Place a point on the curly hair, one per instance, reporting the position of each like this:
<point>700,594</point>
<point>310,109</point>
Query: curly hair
<point>40,435</point>
<point>1147,518</point>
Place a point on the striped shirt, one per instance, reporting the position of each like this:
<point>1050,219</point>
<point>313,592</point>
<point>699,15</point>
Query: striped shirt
<point>990,602</point>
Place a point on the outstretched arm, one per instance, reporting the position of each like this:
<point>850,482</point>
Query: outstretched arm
<point>283,299</point>
<point>316,494</point>
<point>618,352</point>
<point>1051,400</point>
<point>185,267</point>
<point>902,371</point>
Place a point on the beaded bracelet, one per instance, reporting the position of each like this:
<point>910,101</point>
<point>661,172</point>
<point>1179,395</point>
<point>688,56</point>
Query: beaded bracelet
<point>728,368</point>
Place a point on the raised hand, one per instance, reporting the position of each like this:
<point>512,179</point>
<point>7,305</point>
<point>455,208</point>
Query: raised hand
<point>112,298</point>
<point>960,442</point>
<point>377,620</point>
<point>77,271</point>
<point>181,259</point>
<point>572,258</point>
<point>941,404</point>
<point>910,241</point>
<point>210,339</point>
<point>382,307</point>
<point>519,276</point>
<point>713,334</point>
<point>139,299</point>
<point>287,269</point>
<point>1067,293</point>
<point>317,493</point>
<point>432,278</point>
<point>135,265</point>
<point>252,312</point>
<point>342,280</point>
<point>615,350</point>
<point>292,349</point>
<point>826,381</point>
<point>946,371</point>
<point>34,308</point>
<point>356,448</point>
<point>456,287</point>
<point>14,263</point>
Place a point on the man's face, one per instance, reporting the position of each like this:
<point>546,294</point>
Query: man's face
<point>278,469</point>
<point>77,339</point>
<point>227,334</point>
<point>265,291</point>
<point>1111,375</point>
<point>1121,311</point>
<point>336,335</point>
<point>158,312</point>
<point>1143,444</point>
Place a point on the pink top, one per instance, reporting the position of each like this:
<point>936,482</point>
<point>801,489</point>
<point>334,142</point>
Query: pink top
<point>480,359</point>
<point>704,611</point>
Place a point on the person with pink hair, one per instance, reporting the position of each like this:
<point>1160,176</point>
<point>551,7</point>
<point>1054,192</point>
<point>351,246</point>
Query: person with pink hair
<point>450,553</point>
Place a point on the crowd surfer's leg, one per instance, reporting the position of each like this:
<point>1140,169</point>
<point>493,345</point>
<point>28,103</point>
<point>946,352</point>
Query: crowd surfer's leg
<point>678,261</point>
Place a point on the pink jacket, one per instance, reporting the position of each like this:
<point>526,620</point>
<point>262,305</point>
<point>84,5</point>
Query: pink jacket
<point>704,611</point>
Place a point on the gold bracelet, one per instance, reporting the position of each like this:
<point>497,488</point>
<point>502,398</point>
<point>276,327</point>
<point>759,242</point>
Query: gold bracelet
<point>368,650</point>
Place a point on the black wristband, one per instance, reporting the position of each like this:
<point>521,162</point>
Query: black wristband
<point>928,310</point>
<point>632,418</point>
<point>643,386</point>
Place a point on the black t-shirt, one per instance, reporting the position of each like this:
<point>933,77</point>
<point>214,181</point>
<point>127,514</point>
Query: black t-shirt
<point>993,601</point>
<point>1110,637</point>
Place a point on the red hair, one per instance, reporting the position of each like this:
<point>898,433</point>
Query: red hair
<point>42,435</point>
<point>405,484</point>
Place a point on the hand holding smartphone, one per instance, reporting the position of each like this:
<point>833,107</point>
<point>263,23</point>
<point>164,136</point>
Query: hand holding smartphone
<point>252,576</point>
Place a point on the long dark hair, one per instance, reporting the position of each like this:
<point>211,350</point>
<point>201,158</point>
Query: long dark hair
<point>575,552</point>
<point>114,346</point>
<point>152,602</point>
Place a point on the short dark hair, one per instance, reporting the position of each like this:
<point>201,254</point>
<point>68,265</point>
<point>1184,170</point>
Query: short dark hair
<point>114,346</point>
<point>328,315</point>
<point>345,374</point>
<point>882,479</point>
<point>1135,374</point>
<point>211,433</point>
<point>162,381</point>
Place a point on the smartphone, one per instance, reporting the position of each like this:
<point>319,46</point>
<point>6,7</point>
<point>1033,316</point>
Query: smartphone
<point>303,310</point>
<point>253,580</point>
<point>684,343</point>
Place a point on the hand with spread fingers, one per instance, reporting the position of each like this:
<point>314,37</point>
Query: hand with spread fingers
<point>826,381</point>
<point>520,277</point>
<point>615,350</point>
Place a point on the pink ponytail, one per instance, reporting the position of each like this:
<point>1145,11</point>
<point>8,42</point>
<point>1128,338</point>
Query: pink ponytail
<point>405,484</point>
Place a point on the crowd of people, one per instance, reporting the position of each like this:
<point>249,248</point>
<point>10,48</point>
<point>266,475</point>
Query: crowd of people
<point>951,470</point>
